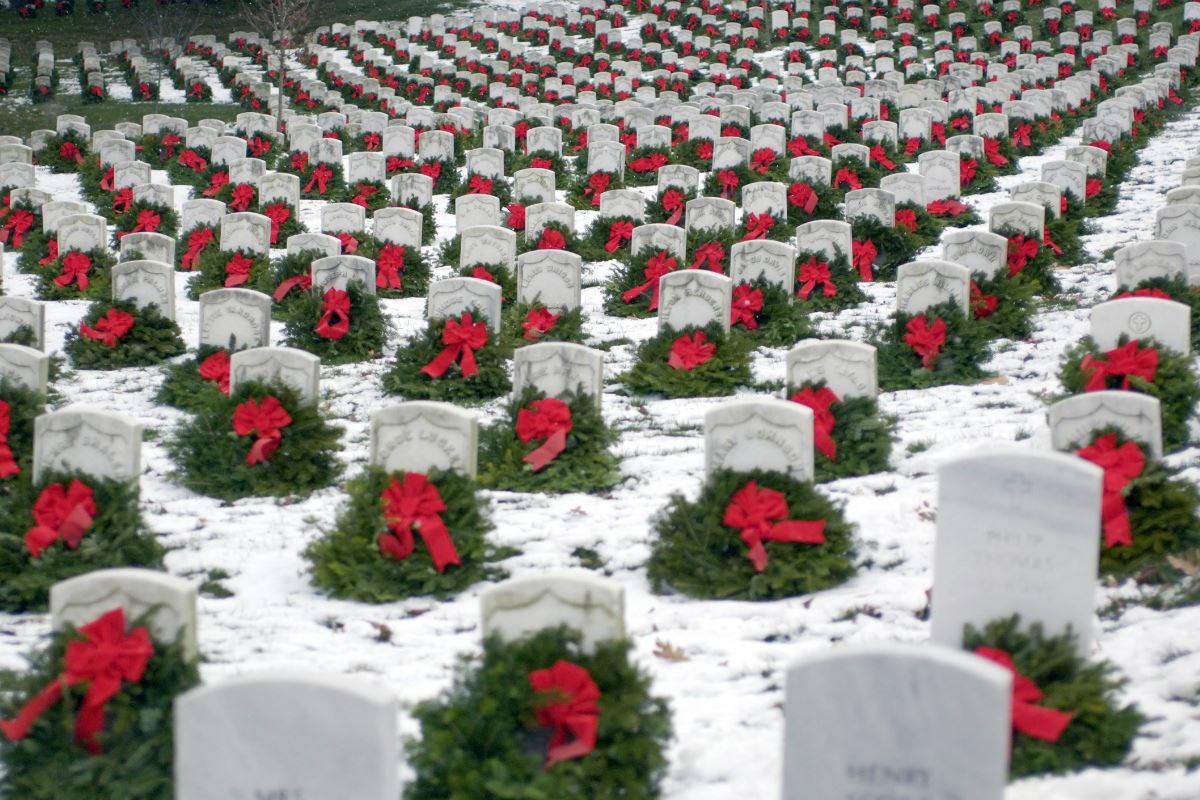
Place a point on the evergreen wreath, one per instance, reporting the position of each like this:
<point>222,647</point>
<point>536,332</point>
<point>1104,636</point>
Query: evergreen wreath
<point>1100,732</point>
<point>592,245</point>
<point>528,244</point>
<point>24,405</point>
<point>168,224</point>
<point>450,251</point>
<point>656,211</point>
<point>584,192</point>
<point>780,230</point>
<point>182,244</point>
<point>719,240</point>
<point>1010,316</point>
<point>726,371</point>
<point>365,340</point>
<point>1173,288</point>
<point>184,175</point>
<point>414,274</point>
<point>804,207</point>
<point>210,457</point>
<point>117,537</point>
<point>779,322</point>
<point>98,277</point>
<point>697,554</point>
<point>371,195</point>
<point>444,174</point>
<point>1174,384</point>
<point>586,465</point>
<point>183,386</point>
<point>481,739</point>
<point>568,327</point>
<point>137,759</point>
<point>347,561</point>
<point>893,246</point>
<point>928,228</point>
<point>845,281</point>
<point>498,187</point>
<point>958,361</point>
<point>406,378</point>
<point>152,339</point>
<point>645,173</point>
<point>641,273</point>
<point>60,158</point>
<point>292,226</point>
<point>499,274</point>
<point>211,273</point>
<point>1039,269</point>
<point>295,270</point>
<point>727,183</point>
<point>1064,232</point>
<point>695,153</point>
<point>862,436</point>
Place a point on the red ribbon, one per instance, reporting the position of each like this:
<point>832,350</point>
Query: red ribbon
<point>548,419</point>
<point>69,151</point>
<point>862,255</point>
<point>538,322</point>
<point>848,177</point>
<point>659,264</point>
<point>431,170</point>
<point>551,240</point>
<point>597,185</point>
<point>569,703</point>
<point>880,157</point>
<point>122,200</point>
<point>265,420</point>
<point>689,352</point>
<point>906,218</point>
<point>1122,362</point>
<point>104,659</point>
<point>110,328</point>
<point>365,192</point>
<point>75,268</point>
<point>618,233</point>
<point>747,302</point>
<point>966,171</point>
<point>335,315</point>
<point>372,141</point>
<point>1020,252</point>
<point>758,226</point>
<point>754,511</point>
<point>728,180</point>
<point>479,185</point>
<point>946,208</point>
<point>1021,135</point>
<point>147,220</point>
<point>395,163</point>
<point>278,213</point>
<point>802,196</point>
<point>8,464</point>
<point>1121,465</point>
<point>18,224</point>
<point>982,305</point>
<point>1046,240</point>
<point>1148,292</point>
<point>762,160</point>
<point>516,217</point>
<point>649,163</point>
<point>304,281</point>
<point>215,368</point>
<point>349,243</point>
<point>106,180</point>
<point>711,253</point>
<point>193,161</point>
<point>218,182</point>
<point>925,340</point>
<point>320,178</point>
<point>460,339</point>
<point>912,145</point>
<point>1092,188</point>
<point>814,273</point>
<point>60,513</point>
<point>197,241</point>
<point>388,265</point>
<point>300,162</point>
<point>673,204</point>
<point>819,400</point>
<point>1031,720</point>
<point>415,503</point>
<point>991,149</point>
<point>243,196</point>
<point>237,270</point>
<point>798,146</point>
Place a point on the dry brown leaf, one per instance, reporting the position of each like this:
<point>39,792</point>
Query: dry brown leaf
<point>668,651</point>
<point>1188,563</point>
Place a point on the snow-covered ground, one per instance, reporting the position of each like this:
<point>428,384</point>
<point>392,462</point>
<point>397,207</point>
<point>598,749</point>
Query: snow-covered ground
<point>727,693</point>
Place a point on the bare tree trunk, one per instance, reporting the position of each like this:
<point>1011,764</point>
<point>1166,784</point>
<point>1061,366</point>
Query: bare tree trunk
<point>283,71</point>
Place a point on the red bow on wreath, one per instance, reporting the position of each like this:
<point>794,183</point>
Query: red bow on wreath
<point>802,196</point>
<point>75,269</point>
<point>320,178</point>
<point>710,253</point>
<point>568,700</point>
<point>729,181</point>
<point>215,368</point>
<point>218,182</point>
<point>880,157</point>
<point>762,160</point>
<point>906,219</point>
<point>812,274</point>
<point>303,281</point>
<point>197,241</point>
<point>516,217</point>
<point>966,171</point>
<point>991,149</point>
<point>1123,362</point>
<point>122,200</point>
<point>758,226</point>
<point>147,220</point>
<point>673,204</point>
<point>241,197</point>
<point>60,513</point>
<point>69,151</point>
<point>548,419</point>
<point>335,315</point>
<point>479,185</point>
<point>689,352</point>
<point>747,302</point>
<point>18,224</point>
<point>618,233</point>
<point>658,265</point>
<point>193,161</point>
<point>848,177</point>
<point>1020,252</point>
<point>278,213</point>
<point>862,256</point>
<point>110,328</point>
<point>819,400</point>
<point>754,511</point>
<point>264,419</point>
<point>237,270</point>
<point>551,239</point>
<point>798,146</point>
<point>982,305</point>
<point>650,163</point>
<point>946,208</point>
<point>1121,465</point>
<point>104,659</point>
<point>388,265</point>
<point>416,503</point>
<point>460,339</point>
<point>1020,136</point>
<point>925,340</point>
<point>1031,720</point>
<point>597,185</point>
<point>538,322</point>
<point>8,464</point>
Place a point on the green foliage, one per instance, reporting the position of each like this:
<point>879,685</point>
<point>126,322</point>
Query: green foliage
<point>1100,733</point>
<point>405,377</point>
<point>99,278</point>
<point>591,246</point>
<point>1174,385</point>
<point>182,386</point>
<point>24,405</point>
<point>210,271</point>
<point>137,758</point>
<point>862,435</point>
<point>503,276</point>
<point>959,361</point>
<point>697,554</point>
<point>481,738</point>
<point>587,465</point>
<point>347,562</point>
<point>781,323</point>
<point>1064,232</point>
<point>1015,304</point>
<point>152,339</point>
<point>628,277</point>
<point>721,375</point>
<point>365,339</point>
<point>1039,270</point>
<point>893,246</point>
<point>24,335</point>
<point>569,327</point>
<point>210,457</point>
<point>845,279</point>
<point>118,537</point>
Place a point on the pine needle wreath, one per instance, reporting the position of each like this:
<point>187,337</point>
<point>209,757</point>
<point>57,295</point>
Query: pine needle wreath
<point>501,189</point>
<point>1100,733</point>
<point>374,195</point>
<point>1015,304</point>
<point>405,377</point>
<point>364,341</point>
<point>347,563</point>
<point>444,174</point>
<point>711,184</point>
<point>892,245</point>
<point>184,175</point>
<point>648,174</point>
<point>694,153</point>
<point>696,554</point>
<point>1174,385</point>
<point>1177,289</point>
<point>528,244</point>
<point>210,271</point>
<point>592,245</point>
<point>630,276</point>
<point>568,327</point>
<point>825,208</point>
<point>655,212</point>
<point>117,537</point>
<point>587,465</point>
<point>181,245</point>
<point>210,458</point>
<point>414,274</point>
<point>1039,269</point>
<point>99,278</point>
<point>505,277</point>
<point>928,228</point>
<point>780,323</point>
<point>965,349</point>
<point>580,184</point>
<point>24,406</point>
<point>125,223</point>
<point>184,388</point>
<point>35,245</point>
<point>845,281</point>
<point>722,238</point>
<point>721,375</point>
<point>1064,233</point>
<point>451,250</point>
<point>52,154</point>
<point>23,335</point>
<point>137,759</point>
<point>481,739</point>
<point>862,435</point>
<point>152,339</point>
<point>292,226</point>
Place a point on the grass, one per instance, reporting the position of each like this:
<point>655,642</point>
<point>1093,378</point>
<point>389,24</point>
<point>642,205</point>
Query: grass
<point>19,120</point>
